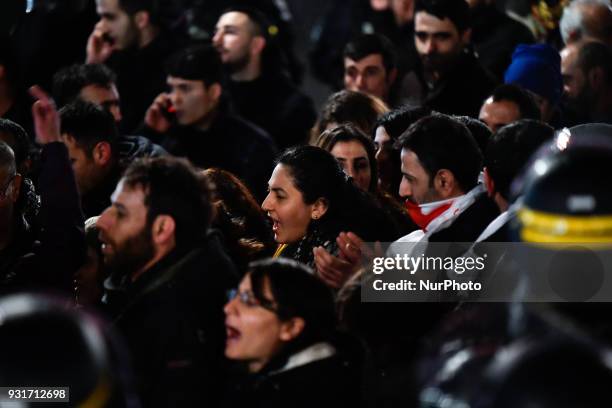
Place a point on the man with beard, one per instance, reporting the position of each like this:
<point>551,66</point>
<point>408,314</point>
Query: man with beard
<point>133,38</point>
<point>587,81</point>
<point>168,281</point>
<point>261,92</point>
<point>440,166</point>
<point>451,77</point>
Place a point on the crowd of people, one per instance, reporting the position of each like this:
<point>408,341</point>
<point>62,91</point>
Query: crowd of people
<point>181,226</point>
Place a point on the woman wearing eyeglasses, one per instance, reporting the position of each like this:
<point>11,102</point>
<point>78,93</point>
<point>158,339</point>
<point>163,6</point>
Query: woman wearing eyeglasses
<point>281,326</point>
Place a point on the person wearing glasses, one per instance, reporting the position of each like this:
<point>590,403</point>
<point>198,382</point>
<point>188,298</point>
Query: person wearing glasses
<point>281,329</point>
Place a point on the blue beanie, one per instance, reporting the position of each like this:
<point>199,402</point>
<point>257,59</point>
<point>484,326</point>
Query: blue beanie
<point>537,68</point>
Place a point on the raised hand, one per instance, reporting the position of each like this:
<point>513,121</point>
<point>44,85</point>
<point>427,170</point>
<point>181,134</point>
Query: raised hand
<point>46,117</point>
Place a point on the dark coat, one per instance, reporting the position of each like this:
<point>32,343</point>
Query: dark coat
<point>332,382</point>
<point>495,36</point>
<point>277,106</point>
<point>141,76</point>
<point>173,321</point>
<point>464,89</point>
<point>230,143</point>
<point>45,254</point>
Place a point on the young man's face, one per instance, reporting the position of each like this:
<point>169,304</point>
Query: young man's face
<point>192,99</point>
<point>232,39</point>
<point>117,24</point>
<point>438,42</point>
<point>367,75</point>
<point>104,96</point>
<point>125,234</point>
<point>86,171</point>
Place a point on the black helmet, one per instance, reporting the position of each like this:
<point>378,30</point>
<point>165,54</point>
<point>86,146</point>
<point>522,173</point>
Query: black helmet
<point>559,371</point>
<point>46,342</point>
<point>566,191</point>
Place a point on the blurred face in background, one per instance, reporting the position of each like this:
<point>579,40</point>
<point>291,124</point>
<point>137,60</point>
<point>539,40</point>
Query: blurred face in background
<point>117,25</point>
<point>496,114</point>
<point>368,75</point>
<point>438,43</point>
<point>353,158</point>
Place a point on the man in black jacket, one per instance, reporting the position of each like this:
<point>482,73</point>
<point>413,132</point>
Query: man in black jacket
<point>451,78</point>
<point>169,278</point>
<point>194,121</point>
<point>261,92</point>
<point>133,38</point>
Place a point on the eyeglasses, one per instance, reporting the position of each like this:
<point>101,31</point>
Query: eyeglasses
<point>4,189</point>
<point>248,299</point>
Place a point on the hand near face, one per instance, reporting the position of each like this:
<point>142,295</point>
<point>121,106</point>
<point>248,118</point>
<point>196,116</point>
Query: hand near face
<point>99,48</point>
<point>331,269</point>
<point>155,117</point>
<point>46,117</point>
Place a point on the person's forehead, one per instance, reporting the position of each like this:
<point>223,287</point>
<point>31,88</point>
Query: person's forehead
<point>410,161</point>
<point>108,6</point>
<point>370,60</point>
<point>176,81</point>
<point>428,22</point>
<point>97,93</point>
<point>349,148</point>
<point>129,196</point>
<point>502,105</point>
<point>282,178</point>
<point>569,55</point>
<point>235,19</point>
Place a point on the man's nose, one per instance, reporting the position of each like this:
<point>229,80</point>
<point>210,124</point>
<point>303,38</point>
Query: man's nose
<point>430,46</point>
<point>405,190</point>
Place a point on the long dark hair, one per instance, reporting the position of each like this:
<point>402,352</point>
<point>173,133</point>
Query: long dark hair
<point>317,174</point>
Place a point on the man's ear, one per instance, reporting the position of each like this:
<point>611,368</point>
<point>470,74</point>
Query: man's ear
<point>258,43</point>
<point>489,183</point>
<point>291,328</point>
<point>16,189</point>
<point>163,230</point>
<point>319,208</point>
<point>445,183</point>
<point>142,19</point>
<point>214,91</point>
<point>102,153</point>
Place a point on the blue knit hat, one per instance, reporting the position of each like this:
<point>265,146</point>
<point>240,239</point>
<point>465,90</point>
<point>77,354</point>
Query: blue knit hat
<point>537,68</point>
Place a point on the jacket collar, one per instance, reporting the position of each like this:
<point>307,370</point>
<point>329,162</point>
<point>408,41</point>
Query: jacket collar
<point>315,352</point>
